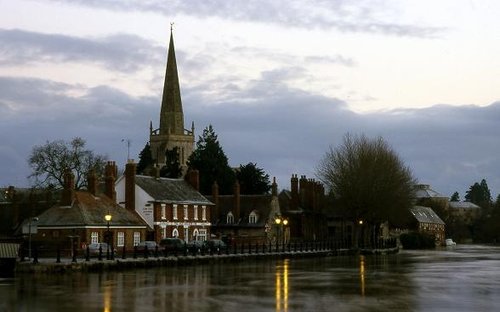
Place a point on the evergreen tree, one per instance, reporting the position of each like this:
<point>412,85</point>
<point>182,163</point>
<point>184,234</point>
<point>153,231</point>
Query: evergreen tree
<point>479,194</point>
<point>211,162</point>
<point>145,160</point>
<point>172,168</point>
<point>455,197</point>
<point>253,180</point>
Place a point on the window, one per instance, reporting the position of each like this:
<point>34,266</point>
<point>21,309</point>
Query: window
<point>164,232</point>
<point>163,211</point>
<point>175,233</point>
<point>195,214</point>
<point>174,211</point>
<point>120,239</point>
<point>137,238</point>
<point>202,234</point>
<point>230,218</point>
<point>196,234</point>
<point>94,238</point>
<point>252,218</point>
<point>185,212</point>
<point>186,234</point>
<point>203,213</point>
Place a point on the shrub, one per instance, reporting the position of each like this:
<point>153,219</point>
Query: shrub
<point>415,240</point>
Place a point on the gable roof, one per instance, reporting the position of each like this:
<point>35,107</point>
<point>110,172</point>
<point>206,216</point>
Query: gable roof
<point>88,210</point>
<point>261,204</point>
<point>425,191</point>
<point>171,190</point>
<point>425,215</point>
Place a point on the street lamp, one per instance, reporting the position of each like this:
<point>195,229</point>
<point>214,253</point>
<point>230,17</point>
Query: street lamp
<point>35,219</point>
<point>108,219</point>
<point>285,223</point>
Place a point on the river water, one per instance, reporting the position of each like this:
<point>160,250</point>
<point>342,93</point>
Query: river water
<point>465,278</point>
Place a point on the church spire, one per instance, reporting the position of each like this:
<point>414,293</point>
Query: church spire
<point>171,116</point>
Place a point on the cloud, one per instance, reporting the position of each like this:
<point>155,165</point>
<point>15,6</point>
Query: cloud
<point>346,16</point>
<point>120,52</point>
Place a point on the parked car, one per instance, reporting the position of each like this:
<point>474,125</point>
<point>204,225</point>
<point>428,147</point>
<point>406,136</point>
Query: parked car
<point>172,244</point>
<point>151,246</point>
<point>215,244</point>
<point>94,249</point>
<point>195,246</point>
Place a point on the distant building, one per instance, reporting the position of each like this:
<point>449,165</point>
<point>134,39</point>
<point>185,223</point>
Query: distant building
<point>426,196</point>
<point>247,218</point>
<point>79,217</point>
<point>429,222</point>
<point>171,133</point>
<point>465,211</point>
<point>170,207</point>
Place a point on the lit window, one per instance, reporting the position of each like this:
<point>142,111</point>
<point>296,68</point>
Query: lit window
<point>120,239</point>
<point>94,238</point>
<point>174,211</point>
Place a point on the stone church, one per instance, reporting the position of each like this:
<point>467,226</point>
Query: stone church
<point>171,133</point>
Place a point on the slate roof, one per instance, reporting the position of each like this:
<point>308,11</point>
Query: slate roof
<point>261,204</point>
<point>171,190</point>
<point>425,191</point>
<point>425,215</point>
<point>88,210</point>
<point>463,205</point>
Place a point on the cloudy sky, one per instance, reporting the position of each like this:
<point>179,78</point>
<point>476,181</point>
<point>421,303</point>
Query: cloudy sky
<point>280,81</point>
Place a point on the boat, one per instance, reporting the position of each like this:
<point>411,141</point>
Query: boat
<point>449,242</point>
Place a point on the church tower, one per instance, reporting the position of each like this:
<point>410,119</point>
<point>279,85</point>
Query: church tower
<point>171,132</point>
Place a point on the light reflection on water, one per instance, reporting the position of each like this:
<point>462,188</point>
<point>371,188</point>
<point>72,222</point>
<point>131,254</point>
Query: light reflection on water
<point>466,278</point>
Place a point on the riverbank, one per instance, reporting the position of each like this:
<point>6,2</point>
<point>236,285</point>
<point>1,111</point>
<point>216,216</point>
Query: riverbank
<point>49,266</point>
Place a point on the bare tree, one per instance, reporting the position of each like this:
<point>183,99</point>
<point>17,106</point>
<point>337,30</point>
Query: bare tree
<point>49,161</point>
<point>368,180</point>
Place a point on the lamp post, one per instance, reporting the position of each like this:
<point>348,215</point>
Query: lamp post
<point>35,219</point>
<point>108,219</point>
<point>285,223</point>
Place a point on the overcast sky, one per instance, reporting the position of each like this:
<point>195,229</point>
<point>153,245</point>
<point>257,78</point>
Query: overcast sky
<point>280,81</point>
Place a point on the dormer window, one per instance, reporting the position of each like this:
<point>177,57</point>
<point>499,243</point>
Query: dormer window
<point>252,218</point>
<point>230,218</point>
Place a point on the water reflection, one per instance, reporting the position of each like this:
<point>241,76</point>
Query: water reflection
<point>282,286</point>
<point>463,279</point>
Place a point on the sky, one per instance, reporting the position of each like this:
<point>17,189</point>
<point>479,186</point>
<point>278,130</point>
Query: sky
<point>280,81</point>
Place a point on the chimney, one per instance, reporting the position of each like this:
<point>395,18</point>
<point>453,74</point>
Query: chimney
<point>294,201</point>
<point>109,180</point>
<point>274,187</point>
<point>155,172</point>
<point>193,178</point>
<point>215,199</point>
<point>236,200</point>
<point>130,185</point>
<point>92,182</point>
<point>302,191</point>
<point>68,188</point>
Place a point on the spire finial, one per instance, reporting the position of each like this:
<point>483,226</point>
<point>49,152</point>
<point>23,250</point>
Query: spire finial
<point>171,26</point>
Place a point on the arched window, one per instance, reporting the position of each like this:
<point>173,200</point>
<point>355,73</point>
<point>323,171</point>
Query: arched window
<point>175,233</point>
<point>195,235</point>
<point>252,218</point>
<point>230,218</point>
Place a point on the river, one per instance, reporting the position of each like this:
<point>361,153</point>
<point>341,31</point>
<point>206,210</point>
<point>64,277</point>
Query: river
<point>464,278</point>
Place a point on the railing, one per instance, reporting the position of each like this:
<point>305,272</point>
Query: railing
<point>76,255</point>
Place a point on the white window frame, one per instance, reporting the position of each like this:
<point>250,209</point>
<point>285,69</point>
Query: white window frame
<point>186,216</point>
<point>120,239</point>
<point>195,234</point>
<point>252,218</point>
<point>204,213</point>
<point>94,237</point>
<point>175,232</point>
<point>230,218</point>
<point>137,238</point>
<point>195,210</point>
<point>174,211</point>
<point>202,234</point>
<point>163,211</point>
